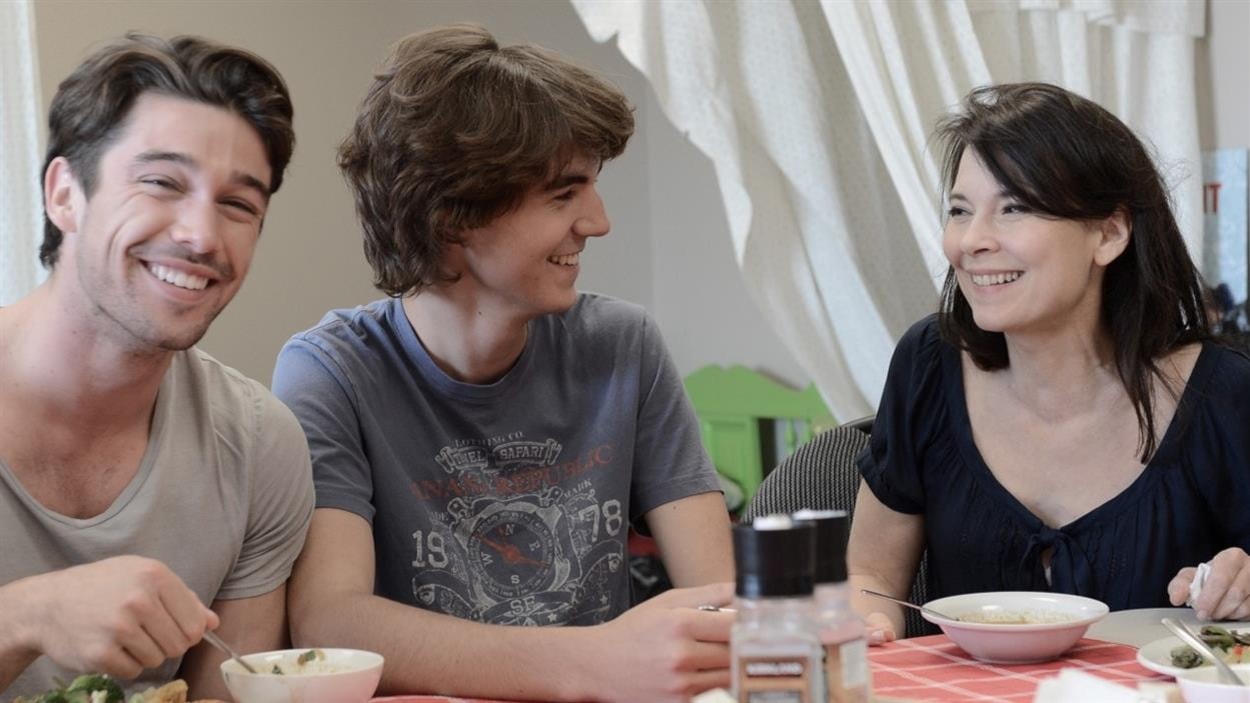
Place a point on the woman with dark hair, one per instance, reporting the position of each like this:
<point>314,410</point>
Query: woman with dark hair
<point>1064,422</point>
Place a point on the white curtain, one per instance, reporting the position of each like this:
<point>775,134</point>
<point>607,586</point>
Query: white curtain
<point>817,117</point>
<point>21,212</point>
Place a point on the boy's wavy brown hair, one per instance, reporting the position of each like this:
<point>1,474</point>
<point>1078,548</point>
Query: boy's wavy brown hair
<point>456,131</point>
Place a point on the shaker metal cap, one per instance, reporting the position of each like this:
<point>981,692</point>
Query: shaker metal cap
<point>775,557</point>
<point>832,530</point>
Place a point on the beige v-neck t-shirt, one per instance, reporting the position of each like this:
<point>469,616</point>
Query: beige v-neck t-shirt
<point>223,497</point>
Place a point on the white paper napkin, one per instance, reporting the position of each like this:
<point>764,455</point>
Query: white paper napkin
<point>1200,580</point>
<point>1076,685</point>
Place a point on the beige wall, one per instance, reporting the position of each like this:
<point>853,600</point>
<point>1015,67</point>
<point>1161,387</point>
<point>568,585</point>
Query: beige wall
<point>669,249</point>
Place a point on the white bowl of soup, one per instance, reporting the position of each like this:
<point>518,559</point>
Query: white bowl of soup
<point>1205,685</point>
<point>1016,627</point>
<point>320,675</point>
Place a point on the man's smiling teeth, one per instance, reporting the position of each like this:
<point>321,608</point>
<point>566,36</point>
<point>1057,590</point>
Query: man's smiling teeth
<point>178,278</point>
<point>994,279</point>
<point>565,259</point>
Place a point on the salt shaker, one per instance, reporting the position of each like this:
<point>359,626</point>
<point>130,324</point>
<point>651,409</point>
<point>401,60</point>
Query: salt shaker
<point>776,653</point>
<point>845,672</point>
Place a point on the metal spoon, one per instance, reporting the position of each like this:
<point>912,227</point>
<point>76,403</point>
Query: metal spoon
<point>921,608</point>
<point>219,643</point>
<point>1189,638</point>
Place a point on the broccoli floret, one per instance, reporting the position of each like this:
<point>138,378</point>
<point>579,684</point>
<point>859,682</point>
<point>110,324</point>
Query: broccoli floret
<point>88,688</point>
<point>1185,657</point>
<point>92,683</point>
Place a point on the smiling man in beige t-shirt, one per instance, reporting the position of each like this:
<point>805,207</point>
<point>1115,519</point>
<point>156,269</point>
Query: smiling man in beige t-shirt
<point>147,492</point>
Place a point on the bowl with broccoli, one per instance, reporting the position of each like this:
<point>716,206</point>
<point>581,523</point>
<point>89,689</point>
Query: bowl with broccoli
<point>305,675</point>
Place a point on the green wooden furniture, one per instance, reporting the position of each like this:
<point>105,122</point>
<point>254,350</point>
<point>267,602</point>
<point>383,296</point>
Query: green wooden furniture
<point>750,422</point>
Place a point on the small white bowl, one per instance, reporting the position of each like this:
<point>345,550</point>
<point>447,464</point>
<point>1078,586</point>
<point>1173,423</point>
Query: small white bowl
<point>1204,685</point>
<point>1055,621</point>
<point>345,676</point>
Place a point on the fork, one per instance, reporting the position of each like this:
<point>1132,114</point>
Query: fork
<point>219,643</point>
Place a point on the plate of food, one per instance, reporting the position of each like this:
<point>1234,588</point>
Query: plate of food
<point>1171,656</point>
<point>101,688</point>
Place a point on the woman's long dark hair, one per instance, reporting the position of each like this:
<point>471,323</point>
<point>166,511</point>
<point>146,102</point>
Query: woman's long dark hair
<point>1067,157</point>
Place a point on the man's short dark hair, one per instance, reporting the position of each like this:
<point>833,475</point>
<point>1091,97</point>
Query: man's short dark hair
<point>92,104</point>
<point>456,131</point>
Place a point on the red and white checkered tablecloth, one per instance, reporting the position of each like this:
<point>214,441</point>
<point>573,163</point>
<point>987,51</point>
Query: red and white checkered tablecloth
<point>934,669</point>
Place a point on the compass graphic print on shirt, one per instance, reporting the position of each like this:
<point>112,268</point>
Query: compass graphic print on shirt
<point>513,553</point>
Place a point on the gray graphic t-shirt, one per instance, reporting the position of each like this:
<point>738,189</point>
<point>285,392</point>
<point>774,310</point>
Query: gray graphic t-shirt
<point>509,502</point>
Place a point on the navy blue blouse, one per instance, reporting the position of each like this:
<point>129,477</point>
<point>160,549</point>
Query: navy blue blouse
<point>1191,501</point>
